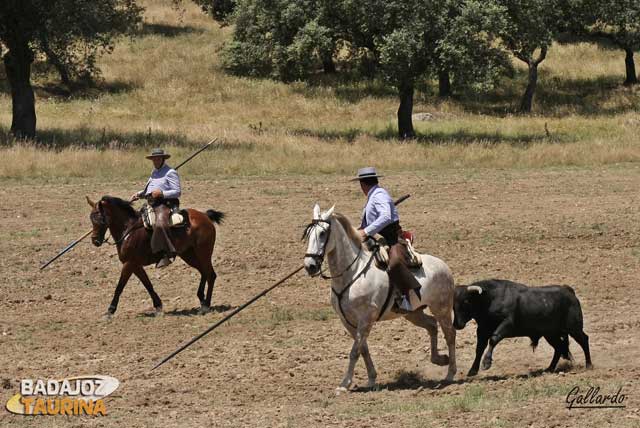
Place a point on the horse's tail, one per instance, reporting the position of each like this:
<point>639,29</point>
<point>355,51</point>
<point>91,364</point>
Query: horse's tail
<point>215,216</point>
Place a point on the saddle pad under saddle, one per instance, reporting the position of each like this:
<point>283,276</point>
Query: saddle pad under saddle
<point>413,259</point>
<point>178,218</point>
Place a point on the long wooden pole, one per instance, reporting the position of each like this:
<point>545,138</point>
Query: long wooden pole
<point>217,324</point>
<point>77,241</point>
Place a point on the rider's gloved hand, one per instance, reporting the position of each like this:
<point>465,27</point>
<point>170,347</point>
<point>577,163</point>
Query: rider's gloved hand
<point>370,243</point>
<point>134,197</point>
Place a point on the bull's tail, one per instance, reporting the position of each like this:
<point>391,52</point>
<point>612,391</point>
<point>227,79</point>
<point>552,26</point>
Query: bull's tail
<point>215,216</point>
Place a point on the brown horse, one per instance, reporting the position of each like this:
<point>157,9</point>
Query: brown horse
<point>194,244</point>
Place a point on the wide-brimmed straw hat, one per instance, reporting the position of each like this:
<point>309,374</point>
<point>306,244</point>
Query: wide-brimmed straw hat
<point>368,172</point>
<point>158,153</point>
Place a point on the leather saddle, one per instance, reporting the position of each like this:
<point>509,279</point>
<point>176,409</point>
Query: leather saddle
<point>178,218</point>
<point>412,257</point>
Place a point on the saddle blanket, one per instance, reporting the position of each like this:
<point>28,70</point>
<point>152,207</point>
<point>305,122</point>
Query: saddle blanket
<point>413,259</point>
<point>178,218</point>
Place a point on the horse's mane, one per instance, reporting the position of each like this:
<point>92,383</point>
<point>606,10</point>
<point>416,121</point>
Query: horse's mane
<point>122,204</point>
<point>352,233</point>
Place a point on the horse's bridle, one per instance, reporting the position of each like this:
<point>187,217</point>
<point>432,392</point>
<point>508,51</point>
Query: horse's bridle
<point>320,257</point>
<point>341,293</point>
<point>100,218</point>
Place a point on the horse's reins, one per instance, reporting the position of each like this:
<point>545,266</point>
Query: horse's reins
<point>127,231</point>
<point>355,278</point>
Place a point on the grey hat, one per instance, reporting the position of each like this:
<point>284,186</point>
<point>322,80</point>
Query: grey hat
<point>368,172</point>
<point>158,153</point>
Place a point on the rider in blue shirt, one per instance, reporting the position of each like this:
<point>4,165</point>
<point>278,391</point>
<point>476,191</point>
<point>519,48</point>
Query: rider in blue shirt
<point>162,192</point>
<point>380,216</point>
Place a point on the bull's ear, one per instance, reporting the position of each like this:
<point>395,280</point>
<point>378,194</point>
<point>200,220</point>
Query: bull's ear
<point>474,289</point>
<point>90,202</point>
<point>316,211</point>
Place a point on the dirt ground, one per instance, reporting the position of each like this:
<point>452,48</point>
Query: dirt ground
<point>278,362</point>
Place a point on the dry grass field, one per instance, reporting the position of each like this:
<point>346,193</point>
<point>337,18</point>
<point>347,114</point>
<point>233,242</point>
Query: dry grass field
<point>167,87</point>
<point>493,194</point>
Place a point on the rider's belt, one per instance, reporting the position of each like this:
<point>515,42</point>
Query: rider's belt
<point>171,202</point>
<point>390,233</point>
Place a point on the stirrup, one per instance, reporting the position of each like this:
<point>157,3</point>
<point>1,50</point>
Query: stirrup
<point>165,261</point>
<point>405,304</point>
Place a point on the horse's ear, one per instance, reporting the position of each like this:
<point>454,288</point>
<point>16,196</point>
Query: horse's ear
<point>90,202</point>
<point>327,214</point>
<point>316,211</point>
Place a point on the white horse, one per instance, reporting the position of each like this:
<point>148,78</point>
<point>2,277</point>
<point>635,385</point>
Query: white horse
<point>361,294</point>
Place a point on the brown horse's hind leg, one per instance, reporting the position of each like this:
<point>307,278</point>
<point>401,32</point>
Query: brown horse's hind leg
<point>206,270</point>
<point>142,276</point>
<point>190,258</point>
<point>125,274</point>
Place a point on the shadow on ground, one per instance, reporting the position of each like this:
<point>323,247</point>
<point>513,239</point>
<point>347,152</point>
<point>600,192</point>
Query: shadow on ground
<point>167,30</point>
<point>196,311</point>
<point>84,137</point>
<point>556,95</point>
<point>437,137</point>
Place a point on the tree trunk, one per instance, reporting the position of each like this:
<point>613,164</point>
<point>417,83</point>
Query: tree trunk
<point>444,84</point>
<point>55,61</point>
<point>17,63</point>
<point>405,122</point>
<point>527,99</point>
<point>328,66</point>
<point>630,67</point>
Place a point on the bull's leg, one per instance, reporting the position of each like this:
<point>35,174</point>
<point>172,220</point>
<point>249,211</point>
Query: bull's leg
<point>583,341</point>
<point>558,350</point>
<point>125,274</point>
<point>500,333</point>
<point>142,276</point>
<point>482,339</point>
<point>430,324</point>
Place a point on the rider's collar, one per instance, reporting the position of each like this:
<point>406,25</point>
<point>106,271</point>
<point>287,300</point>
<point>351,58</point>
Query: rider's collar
<point>370,192</point>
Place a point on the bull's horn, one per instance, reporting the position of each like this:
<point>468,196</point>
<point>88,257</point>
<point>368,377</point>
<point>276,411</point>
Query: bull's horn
<point>474,288</point>
<point>90,202</point>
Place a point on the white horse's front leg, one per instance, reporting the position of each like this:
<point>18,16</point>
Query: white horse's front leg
<point>359,342</point>
<point>371,370</point>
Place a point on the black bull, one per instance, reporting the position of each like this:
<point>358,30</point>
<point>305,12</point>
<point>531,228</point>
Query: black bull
<point>507,309</point>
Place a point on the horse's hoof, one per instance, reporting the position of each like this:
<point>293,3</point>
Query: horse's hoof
<point>373,386</point>
<point>486,364</point>
<point>341,390</point>
<point>158,312</point>
<point>440,360</point>
<point>107,316</point>
<point>204,310</point>
<point>472,372</point>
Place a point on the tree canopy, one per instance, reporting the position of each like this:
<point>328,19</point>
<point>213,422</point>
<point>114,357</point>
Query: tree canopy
<point>402,41</point>
<point>71,34</point>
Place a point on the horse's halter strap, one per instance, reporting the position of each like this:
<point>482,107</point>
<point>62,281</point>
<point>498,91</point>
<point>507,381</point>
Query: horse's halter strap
<point>313,223</point>
<point>322,253</point>
<point>341,293</point>
<point>100,219</point>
